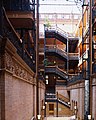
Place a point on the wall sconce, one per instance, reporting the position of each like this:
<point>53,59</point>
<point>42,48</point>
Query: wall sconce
<point>68,103</point>
<point>38,116</point>
<point>89,117</point>
<point>54,77</point>
<point>47,82</point>
<point>54,62</point>
<point>46,76</point>
<point>45,103</point>
<point>75,107</point>
<point>46,79</point>
<point>43,107</point>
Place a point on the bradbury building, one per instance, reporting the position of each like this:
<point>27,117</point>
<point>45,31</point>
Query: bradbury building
<point>50,73</point>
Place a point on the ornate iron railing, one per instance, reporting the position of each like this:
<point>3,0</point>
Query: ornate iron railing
<point>52,97</point>
<point>61,52</point>
<point>56,70</point>
<point>19,5</point>
<point>59,31</point>
<point>74,79</point>
<point>11,34</point>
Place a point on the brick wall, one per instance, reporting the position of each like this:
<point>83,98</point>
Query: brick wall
<point>2,80</point>
<point>77,97</point>
<point>41,96</point>
<point>94,99</point>
<point>18,93</point>
<point>62,90</point>
<point>18,99</point>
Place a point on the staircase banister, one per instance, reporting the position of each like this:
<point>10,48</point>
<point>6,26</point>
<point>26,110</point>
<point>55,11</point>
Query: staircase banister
<point>59,29</point>
<point>61,70</point>
<point>50,46</point>
<point>9,23</point>
<point>73,53</point>
<point>63,98</point>
<point>50,66</point>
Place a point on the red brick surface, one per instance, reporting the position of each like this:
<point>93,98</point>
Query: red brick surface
<point>18,99</point>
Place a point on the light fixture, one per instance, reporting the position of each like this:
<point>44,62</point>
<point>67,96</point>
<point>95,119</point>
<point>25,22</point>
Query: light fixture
<point>68,103</point>
<point>54,77</point>
<point>31,56</point>
<point>43,107</point>
<point>38,116</point>
<point>47,82</point>
<point>45,103</point>
<point>46,76</point>
<point>54,62</point>
<point>89,117</point>
<point>75,107</point>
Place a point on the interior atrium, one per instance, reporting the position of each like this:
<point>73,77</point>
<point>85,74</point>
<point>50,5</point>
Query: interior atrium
<point>47,60</point>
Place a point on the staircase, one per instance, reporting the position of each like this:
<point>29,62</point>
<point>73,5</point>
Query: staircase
<point>56,32</point>
<point>52,98</point>
<point>56,70</point>
<point>62,53</point>
<point>63,106</point>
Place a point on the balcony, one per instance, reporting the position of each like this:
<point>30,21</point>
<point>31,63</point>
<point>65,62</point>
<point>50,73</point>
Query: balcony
<point>20,13</point>
<point>20,19</point>
<point>56,32</point>
<point>61,52</point>
<point>11,34</point>
<point>57,71</point>
<point>75,79</point>
<point>50,97</point>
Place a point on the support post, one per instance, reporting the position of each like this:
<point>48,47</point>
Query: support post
<point>57,105</point>
<point>45,109</point>
<point>90,60</point>
<point>88,81</point>
<point>67,55</point>
<point>37,55</point>
<point>1,18</point>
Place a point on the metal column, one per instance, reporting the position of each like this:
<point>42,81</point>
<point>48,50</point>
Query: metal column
<point>1,18</point>
<point>90,60</point>
<point>57,105</point>
<point>85,71</point>
<point>37,56</point>
<point>88,71</point>
<point>67,55</point>
<point>44,67</point>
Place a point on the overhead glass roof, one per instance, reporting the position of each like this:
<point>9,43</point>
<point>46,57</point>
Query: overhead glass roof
<point>60,6</point>
<point>62,13</point>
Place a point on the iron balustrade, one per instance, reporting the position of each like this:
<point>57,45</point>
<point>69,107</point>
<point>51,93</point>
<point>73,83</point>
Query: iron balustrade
<point>56,70</point>
<point>61,32</point>
<point>61,52</point>
<point>19,5</point>
<point>50,95</point>
<point>10,33</point>
<point>74,79</point>
<point>53,97</point>
<point>58,30</point>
